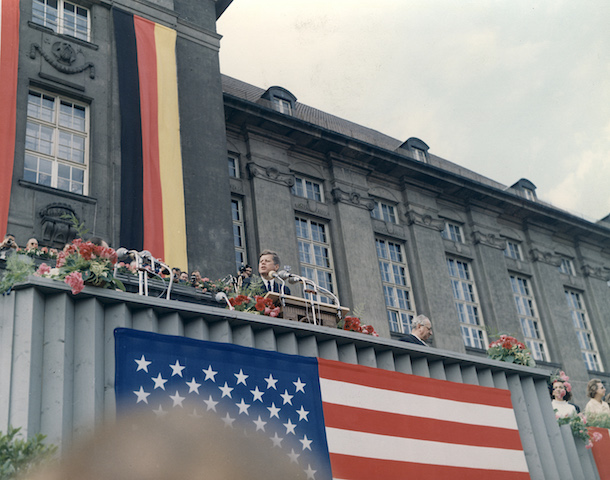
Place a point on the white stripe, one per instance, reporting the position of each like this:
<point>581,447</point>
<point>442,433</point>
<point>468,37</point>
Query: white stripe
<point>352,395</point>
<point>385,447</point>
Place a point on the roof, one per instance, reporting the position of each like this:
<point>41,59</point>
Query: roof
<point>251,93</point>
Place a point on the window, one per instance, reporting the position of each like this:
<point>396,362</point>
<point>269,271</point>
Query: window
<point>586,339</point>
<point>419,154</point>
<point>528,318</point>
<point>453,232</point>
<point>307,189</point>
<point>282,106</point>
<point>384,212</point>
<point>567,266</point>
<point>56,142</point>
<point>396,285</point>
<point>233,166</point>
<point>529,194</point>
<point>467,304</point>
<point>239,238</point>
<point>62,17</point>
<point>314,254</point>
<point>513,250</point>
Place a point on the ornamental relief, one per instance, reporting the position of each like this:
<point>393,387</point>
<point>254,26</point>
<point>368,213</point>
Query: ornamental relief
<point>62,57</point>
<point>311,206</point>
<point>545,257</point>
<point>595,272</point>
<point>270,173</point>
<point>352,198</point>
<point>489,239</point>
<point>424,220</point>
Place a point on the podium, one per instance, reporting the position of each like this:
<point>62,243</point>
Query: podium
<point>300,310</point>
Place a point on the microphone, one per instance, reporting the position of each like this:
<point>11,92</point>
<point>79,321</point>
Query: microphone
<point>222,297</point>
<point>123,253</point>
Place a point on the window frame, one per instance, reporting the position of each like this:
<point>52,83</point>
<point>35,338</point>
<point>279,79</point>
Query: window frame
<point>305,191</point>
<point>566,266</point>
<point>450,235</point>
<point>56,129</point>
<point>241,252</point>
<point>531,325</point>
<point>399,317</point>
<point>59,27</point>
<point>515,253</point>
<point>583,329</point>
<point>389,215</point>
<point>467,307</point>
<point>235,167</point>
<point>309,269</point>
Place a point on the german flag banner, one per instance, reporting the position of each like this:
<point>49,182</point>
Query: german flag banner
<point>9,57</point>
<point>152,187</point>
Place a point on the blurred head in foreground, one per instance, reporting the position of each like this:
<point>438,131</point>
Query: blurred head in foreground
<point>174,447</point>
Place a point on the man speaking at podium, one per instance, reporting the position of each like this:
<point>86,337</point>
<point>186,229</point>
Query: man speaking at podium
<point>268,264</point>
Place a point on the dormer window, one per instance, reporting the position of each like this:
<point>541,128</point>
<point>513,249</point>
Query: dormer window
<point>526,188</point>
<point>281,100</point>
<point>415,148</point>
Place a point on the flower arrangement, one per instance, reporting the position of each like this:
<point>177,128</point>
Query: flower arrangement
<point>509,349</point>
<point>580,429</point>
<point>257,304</point>
<point>353,324</point>
<point>84,263</point>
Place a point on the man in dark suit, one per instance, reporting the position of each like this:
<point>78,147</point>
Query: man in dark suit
<point>268,262</point>
<point>421,330</point>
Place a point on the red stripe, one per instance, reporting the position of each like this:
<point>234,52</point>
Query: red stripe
<point>401,382</point>
<point>601,452</point>
<point>362,468</point>
<point>153,195</point>
<point>9,57</point>
<point>383,423</point>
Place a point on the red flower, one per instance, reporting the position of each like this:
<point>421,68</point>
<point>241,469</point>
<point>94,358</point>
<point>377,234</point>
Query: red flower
<point>61,259</point>
<point>86,250</point>
<point>75,280</point>
<point>260,304</point>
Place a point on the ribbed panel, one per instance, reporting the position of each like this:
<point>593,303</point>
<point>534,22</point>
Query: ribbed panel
<point>57,364</point>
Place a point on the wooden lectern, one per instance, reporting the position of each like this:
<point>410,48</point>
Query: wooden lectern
<point>300,310</point>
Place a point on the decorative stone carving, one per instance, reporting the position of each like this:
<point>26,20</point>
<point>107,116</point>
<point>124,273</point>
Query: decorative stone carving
<point>270,173</point>
<point>62,58</point>
<point>57,230</point>
<point>352,198</point>
<point>545,257</point>
<point>424,220</point>
<point>311,206</point>
<point>489,239</point>
<point>595,272</point>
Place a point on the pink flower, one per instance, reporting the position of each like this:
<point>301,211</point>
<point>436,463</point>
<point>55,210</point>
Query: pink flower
<point>43,270</point>
<point>272,312</point>
<point>75,280</point>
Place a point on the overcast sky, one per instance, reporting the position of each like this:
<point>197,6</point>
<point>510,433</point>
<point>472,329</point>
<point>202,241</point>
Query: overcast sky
<point>508,88</point>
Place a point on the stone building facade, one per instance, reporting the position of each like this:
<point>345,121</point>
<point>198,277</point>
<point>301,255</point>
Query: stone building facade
<point>392,229</point>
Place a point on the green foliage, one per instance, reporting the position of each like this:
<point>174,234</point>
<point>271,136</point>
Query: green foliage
<point>18,267</point>
<point>601,420</point>
<point>80,228</point>
<point>19,456</point>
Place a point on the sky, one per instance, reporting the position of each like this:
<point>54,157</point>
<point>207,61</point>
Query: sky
<point>510,89</point>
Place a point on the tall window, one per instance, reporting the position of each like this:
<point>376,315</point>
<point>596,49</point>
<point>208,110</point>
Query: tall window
<point>307,189</point>
<point>385,212</point>
<point>567,266</point>
<point>396,285</point>
<point>233,166</point>
<point>467,303</point>
<point>56,143</point>
<point>314,254</point>
<point>453,232</point>
<point>528,317</point>
<point>62,17</point>
<point>513,250</point>
<point>239,238</point>
<point>586,339</point>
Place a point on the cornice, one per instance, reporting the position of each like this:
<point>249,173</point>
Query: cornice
<point>424,220</point>
<point>596,271</point>
<point>545,257</point>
